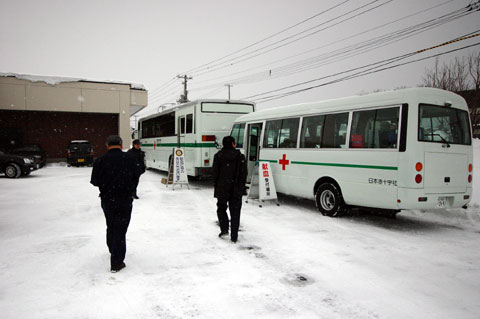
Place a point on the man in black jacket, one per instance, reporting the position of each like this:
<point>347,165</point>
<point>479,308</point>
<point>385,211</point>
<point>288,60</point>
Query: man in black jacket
<point>116,173</point>
<point>137,152</point>
<point>230,176</point>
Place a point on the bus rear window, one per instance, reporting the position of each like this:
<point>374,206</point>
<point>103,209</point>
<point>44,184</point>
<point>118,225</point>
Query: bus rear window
<point>442,124</point>
<point>227,108</point>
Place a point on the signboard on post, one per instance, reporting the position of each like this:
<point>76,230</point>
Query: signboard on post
<point>179,167</point>
<point>262,186</point>
<point>266,185</point>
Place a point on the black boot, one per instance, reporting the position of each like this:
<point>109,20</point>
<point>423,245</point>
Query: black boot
<point>117,268</point>
<point>223,234</point>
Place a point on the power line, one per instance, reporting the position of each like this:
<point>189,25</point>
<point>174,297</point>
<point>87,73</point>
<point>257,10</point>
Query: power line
<point>387,61</point>
<point>166,91</point>
<point>267,38</point>
<point>299,66</point>
<point>346,52</point>
<point>232,61</point>
<point>358,74</point>
<point>320,47</point>
<point>445,17</point>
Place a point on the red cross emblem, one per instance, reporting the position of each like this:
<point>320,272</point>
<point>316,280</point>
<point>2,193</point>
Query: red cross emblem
<point>154,144</point>
<point>284,161</point>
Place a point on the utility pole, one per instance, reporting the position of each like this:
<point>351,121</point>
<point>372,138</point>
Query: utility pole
<point>229,86</point>
<point>184,97</point>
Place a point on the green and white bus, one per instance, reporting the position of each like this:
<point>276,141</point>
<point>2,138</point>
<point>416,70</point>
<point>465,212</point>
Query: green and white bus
<point>405,149</point>
<point>198,127</point>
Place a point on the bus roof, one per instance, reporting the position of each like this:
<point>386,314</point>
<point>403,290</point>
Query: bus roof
<point>423,95</point>
<point>180,106</point>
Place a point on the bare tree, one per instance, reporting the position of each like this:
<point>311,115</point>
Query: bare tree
<point>462,76</point>
<point>459,75</point>
<point>452,77</point>
<point>474,69</point>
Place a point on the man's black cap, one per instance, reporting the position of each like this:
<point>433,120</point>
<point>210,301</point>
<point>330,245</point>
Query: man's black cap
<point>227,141</point>
<point>114,140</point>
<point>136,142</point>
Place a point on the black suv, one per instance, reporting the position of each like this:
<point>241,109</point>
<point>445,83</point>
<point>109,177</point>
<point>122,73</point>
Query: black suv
<point>31,150</point>
<point>14,166</point>
<point>79,152</point>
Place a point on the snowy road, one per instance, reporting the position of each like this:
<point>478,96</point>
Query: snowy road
<point>290,262</point>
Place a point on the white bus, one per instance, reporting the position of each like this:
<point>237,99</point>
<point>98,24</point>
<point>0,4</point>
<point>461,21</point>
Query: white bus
<point>405,149</point>
<point>197,126</point>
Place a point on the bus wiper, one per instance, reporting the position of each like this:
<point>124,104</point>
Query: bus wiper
<point>443,140</point>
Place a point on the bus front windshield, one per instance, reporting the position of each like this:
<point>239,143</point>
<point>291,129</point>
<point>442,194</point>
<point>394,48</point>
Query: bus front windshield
<point>443,124</point>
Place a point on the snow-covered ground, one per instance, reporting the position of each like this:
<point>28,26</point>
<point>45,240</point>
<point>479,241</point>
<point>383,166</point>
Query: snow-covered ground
<point>290,262</point>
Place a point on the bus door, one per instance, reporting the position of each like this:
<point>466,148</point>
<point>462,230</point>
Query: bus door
<point>186,138</point>
<point>181,131</point>
<point>253,146</point>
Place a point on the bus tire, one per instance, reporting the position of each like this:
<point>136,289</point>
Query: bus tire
<point>329,200</point>
<point>13,170</point>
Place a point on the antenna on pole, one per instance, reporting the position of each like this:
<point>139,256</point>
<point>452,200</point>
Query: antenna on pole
<point>228,86</point>
<point>184,98</point>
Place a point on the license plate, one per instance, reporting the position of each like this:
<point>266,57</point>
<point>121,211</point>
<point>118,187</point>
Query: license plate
<point>80,160</point>
<point>442,202</point>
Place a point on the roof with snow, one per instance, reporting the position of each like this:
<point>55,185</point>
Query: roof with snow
<point>54,80</point>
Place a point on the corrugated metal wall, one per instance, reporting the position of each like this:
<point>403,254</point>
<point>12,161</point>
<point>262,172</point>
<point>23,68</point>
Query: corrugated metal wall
<point>53,130</point>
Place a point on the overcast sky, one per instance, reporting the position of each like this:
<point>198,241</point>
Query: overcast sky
<point>150,42</point>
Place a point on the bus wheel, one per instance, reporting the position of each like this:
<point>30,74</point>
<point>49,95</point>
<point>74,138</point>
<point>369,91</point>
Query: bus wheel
<point>329,200</point>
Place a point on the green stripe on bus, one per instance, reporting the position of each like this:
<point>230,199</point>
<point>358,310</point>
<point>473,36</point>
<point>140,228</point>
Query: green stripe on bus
<point>391,168</point>
<point>181,145</point>
<point>270,161</point>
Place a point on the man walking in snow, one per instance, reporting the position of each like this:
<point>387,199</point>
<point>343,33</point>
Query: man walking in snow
<point>230,176</point>
<point>137,152</point>
<point>116,175</point>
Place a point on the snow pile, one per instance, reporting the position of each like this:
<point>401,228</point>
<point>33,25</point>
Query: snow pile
<point>54,80</point>
<point>476,171</point>
<point>290,262</point>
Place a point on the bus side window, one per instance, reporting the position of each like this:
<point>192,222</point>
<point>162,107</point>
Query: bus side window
<point>375,128</point>
<point>387,123</point>
<point>238,132</point>
<point>289,133</point>
<point>272,132</point>
<point>362,129</point>
<point>241,133</point>
<point>234,134</point>
<point>311,134</point>
<point>182,125</point>
<point>335,130</point>
<point>254,136</point>
<point>189,123</point>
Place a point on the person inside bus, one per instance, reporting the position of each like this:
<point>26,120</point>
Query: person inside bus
<point>229,176</point>
<point>392,136</point>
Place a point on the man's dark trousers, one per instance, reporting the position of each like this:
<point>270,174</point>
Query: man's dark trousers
<point>235,205</point>
<point>117,210</point>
